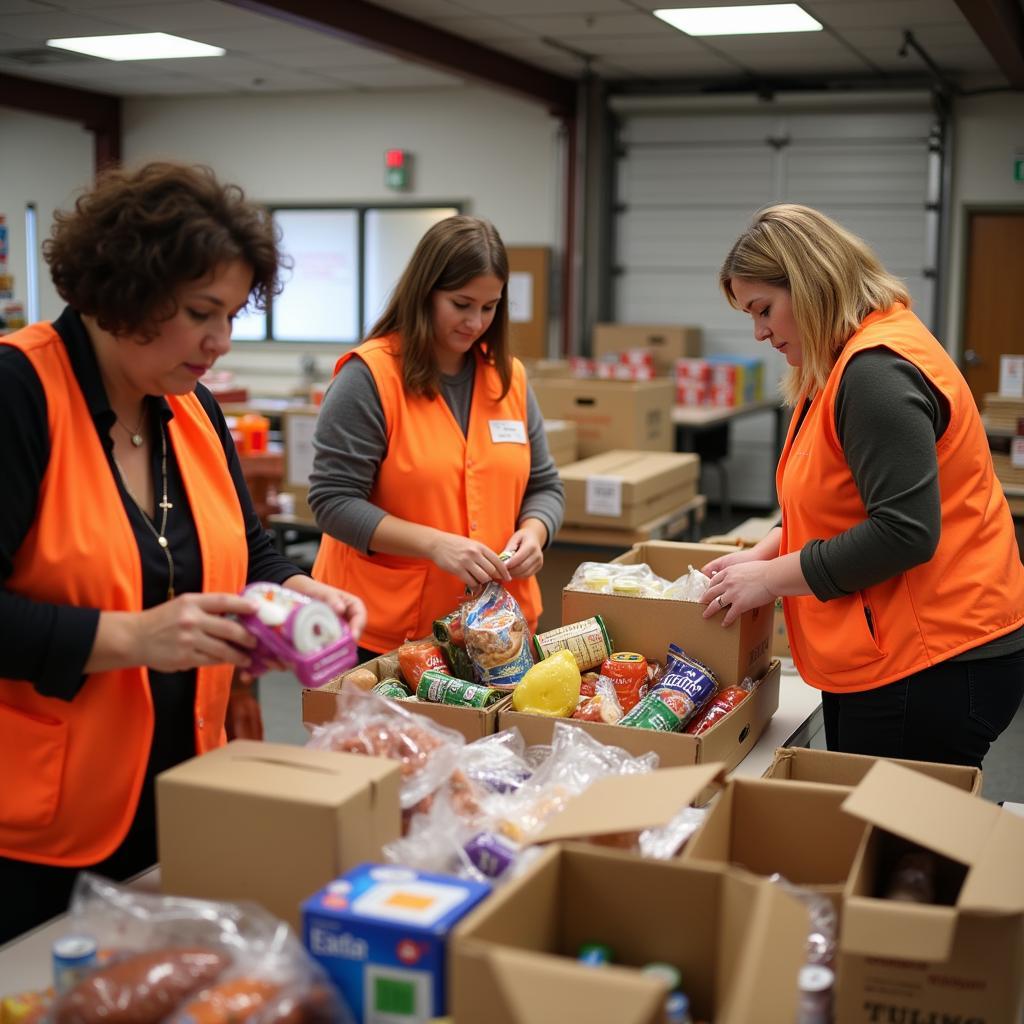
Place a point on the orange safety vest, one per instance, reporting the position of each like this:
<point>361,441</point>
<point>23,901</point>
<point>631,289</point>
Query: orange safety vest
<point>969,592</point>
<point>72,770</point>
<point>433,474</point>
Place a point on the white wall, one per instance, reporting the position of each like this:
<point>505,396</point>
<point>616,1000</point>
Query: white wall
<point>988,131</point>
<point>497,154</point>
<point>42,161</point>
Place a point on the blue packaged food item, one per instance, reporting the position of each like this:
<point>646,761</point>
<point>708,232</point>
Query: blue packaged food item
<point>381,931</point>
<point>497,637</point>
<point>690,677</point>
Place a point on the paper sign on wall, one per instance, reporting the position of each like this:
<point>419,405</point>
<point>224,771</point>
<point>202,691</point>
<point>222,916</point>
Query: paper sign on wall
<point>604,496</point>
<point>1017,453</point>
<point>520,297</point>
<point>299,449</point>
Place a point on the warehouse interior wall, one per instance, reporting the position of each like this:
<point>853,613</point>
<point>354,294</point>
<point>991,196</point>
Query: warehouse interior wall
<point>988,133</point>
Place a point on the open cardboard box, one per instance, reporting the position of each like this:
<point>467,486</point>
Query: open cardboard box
<point>959,959</point>
<point>271,822</point>
<point>738,943</point>
<point>321,705</point>
<point>797,829</point>
<point>728,741</point>
<point>649,625</point>
<point>804,765</point>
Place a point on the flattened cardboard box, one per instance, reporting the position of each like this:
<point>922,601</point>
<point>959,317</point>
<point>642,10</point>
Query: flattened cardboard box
<point>649,625</point>
<point>797,829</point>
<point>737,942</point>
<point>668,342</point>
<point>611,413</point>
<point>727,742</point>
<point>271,822</point>
<point>959,959</point>
<point>802,764</point>
<point>635,487</point>
<point>321,705</point>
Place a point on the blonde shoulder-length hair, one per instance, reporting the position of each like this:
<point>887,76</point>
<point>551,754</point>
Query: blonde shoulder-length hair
<point>834,278</point>
<point>452,253</point>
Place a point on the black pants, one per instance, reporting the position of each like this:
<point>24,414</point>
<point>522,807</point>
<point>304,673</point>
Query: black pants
<point>950,713</point>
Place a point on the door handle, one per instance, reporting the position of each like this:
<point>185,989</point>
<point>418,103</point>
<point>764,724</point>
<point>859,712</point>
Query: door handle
<point>971,358</point>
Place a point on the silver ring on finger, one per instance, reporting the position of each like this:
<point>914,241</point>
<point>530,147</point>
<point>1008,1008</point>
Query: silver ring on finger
<point>721,603</point>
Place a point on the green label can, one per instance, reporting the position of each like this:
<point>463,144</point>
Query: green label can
<point>441,688</point>
<point>588,642</point>
<point>652,713</point>
<point>391,688</point>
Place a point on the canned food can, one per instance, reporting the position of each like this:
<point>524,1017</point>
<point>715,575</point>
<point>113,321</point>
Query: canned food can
<point>441,688</point>
<point>73,957</point>
<point>653,713</point>
<point>594,954</point>
<point>587,640</point>
<point>393,689</point>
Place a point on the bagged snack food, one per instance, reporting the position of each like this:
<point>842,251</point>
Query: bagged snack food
<point>497,637</point>
<point>298,631</point>
<point>366,723</point>
<point>171,960</point>
<point>419,656</point>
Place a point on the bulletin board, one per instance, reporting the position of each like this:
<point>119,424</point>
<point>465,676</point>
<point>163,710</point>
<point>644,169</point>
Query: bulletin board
<point>528,291</point>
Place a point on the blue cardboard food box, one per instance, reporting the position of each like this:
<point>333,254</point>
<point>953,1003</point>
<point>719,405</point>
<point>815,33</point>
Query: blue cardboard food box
<point>380,933</point>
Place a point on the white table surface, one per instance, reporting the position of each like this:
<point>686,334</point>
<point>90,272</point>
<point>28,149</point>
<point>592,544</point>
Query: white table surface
<point>25,963</point>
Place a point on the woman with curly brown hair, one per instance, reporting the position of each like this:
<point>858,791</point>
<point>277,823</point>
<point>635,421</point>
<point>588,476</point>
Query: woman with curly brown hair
<point>126,530</point>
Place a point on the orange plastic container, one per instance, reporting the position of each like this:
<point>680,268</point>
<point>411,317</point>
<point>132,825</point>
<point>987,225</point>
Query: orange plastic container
<point>253,431</point>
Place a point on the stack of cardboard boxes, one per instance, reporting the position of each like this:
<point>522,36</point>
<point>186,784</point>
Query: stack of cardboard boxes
<point>719,381</point>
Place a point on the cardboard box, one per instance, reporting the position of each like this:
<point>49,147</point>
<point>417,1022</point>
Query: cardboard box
<point>562,441</point>
<point>271,822</point>
<point>797,829</point>
<point>959,959</point>
<point>547,367</point>
<point>623,489</point>
<point>737,942</point>
<point>649,625</point>
<point>611,413</point>
<point>381,934</point>
<point>667,342</point>
<point>321,705</point>
<point>829,766</point>
<point>727,742</point>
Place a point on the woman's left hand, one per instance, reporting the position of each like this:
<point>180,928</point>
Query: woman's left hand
<point>737,589</point>
<point>345,605</point>
<point>527,547</point>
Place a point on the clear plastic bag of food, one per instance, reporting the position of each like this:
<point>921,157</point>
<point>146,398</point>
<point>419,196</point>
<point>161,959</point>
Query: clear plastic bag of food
<point>637,580</point>
<point>603,706</point>
<point>666,841</point>
<point>689,587</point>
<point>185,961</point>
<point>823,925</point>
<point>497,637</point>
<point>366,723</point>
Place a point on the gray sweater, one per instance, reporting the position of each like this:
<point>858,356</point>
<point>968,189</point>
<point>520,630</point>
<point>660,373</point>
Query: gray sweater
<point>888,418</point>
<point>351,441</point>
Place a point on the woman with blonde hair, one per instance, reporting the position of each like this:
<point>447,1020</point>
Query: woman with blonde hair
<point>896,559</point>
<point>431,458</point>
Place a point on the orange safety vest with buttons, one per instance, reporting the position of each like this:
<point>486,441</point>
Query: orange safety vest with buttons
<point>469,484</point>
<point>72,770</point>
<point>970,591</point>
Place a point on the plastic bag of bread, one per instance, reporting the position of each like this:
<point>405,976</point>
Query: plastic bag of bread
<point>497,637</point>
<point>171,960</point>
<point>366,723</point>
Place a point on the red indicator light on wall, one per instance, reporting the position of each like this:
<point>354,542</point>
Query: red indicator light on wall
<point>397,167</point>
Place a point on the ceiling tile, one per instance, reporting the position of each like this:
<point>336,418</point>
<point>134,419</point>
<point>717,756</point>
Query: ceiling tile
<point>402,76</point>
<point>840,14</point>
<point>331,58</point>
<point>472,26</point>
<point>425,10</point>
<point>636,23</point>
<point>183,18</point>
<point>37,28</point>
<point>514,8</point>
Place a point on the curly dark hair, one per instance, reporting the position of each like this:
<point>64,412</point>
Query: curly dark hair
<point>137,235</point>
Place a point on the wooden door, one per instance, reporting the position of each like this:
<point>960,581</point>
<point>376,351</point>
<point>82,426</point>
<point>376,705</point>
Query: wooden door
<point>993,324</point>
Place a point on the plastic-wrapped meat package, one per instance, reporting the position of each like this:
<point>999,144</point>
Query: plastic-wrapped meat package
<point>184,961</point>
<point>366,723</point>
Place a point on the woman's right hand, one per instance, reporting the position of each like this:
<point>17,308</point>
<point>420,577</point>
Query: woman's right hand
<point>194,630</point>
<point>733,558</point>
<point>473,562</point>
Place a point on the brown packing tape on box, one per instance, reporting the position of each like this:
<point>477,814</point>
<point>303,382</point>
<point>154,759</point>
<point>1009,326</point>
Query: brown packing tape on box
<point>321,705</point>
<point>514,958</point>
<point>832,767</point>
<point>962,959</point>
<point>272,822</point>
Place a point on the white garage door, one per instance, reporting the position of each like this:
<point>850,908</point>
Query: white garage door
<point>689,183</point>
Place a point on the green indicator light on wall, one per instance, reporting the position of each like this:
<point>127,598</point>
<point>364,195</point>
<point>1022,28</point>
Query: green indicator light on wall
<point>397,169</point>
<point>1018,167</point>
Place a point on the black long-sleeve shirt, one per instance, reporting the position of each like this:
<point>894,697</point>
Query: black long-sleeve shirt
<point>45,644</point>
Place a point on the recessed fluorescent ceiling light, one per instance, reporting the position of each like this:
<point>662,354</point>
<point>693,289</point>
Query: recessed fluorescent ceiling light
<point>739,21</point>
<point>137,46</point>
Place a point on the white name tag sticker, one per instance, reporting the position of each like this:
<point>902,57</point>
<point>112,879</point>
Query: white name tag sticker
<point>508,431</point>
<point>604,496</point>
